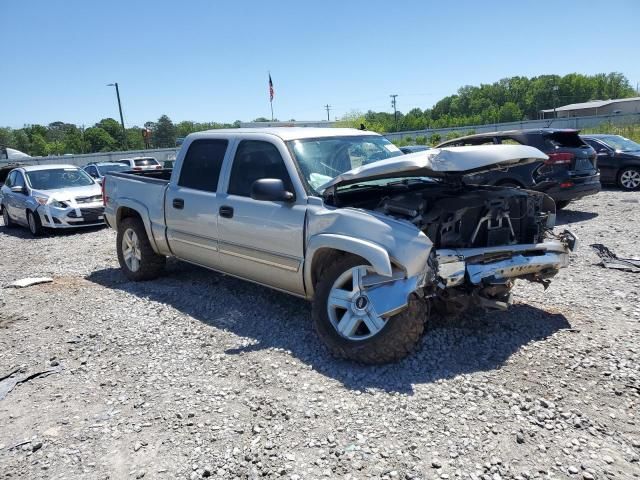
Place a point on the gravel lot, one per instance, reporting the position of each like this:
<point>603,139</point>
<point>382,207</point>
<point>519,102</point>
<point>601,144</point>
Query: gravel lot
<point>201,375</point>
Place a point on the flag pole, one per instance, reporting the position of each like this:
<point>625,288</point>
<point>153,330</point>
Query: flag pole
<point>271,94</point>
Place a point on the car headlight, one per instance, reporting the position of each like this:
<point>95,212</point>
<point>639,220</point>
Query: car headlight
<point>54,203</point>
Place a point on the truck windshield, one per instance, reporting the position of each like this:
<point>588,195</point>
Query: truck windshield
<point>321,159</point>
<point>54,179</point>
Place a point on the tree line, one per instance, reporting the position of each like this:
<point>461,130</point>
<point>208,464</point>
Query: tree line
<point>107,135</point>
<point>507,100</point>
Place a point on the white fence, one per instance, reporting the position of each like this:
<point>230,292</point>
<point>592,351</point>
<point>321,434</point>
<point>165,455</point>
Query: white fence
<point>579,123</point>
<point>160,154</point>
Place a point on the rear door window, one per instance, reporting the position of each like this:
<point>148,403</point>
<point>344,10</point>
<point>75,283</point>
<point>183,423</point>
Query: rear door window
<point>595,145</point>
<point>202,164</point>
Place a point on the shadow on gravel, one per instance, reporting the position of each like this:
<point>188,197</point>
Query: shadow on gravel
<point>566,216</point>
<point>269,319</point>
<point>22,232</point>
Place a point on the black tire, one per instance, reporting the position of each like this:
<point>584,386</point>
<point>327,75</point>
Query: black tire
<point>6,219</point>
<point>621,178</point>
<point>560,204</point>
<point>34,224</point>
<point>395,341</point>
<point>151,264</point>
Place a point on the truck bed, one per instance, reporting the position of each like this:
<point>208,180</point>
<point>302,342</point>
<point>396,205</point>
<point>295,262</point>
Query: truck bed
<point>143,191</point>
<point>149,176</point>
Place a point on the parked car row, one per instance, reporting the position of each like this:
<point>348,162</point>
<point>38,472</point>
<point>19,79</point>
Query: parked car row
<point>60,196</point>
<point>576,167</point>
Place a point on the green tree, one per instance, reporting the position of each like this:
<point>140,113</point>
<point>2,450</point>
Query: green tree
<point>164,134</point>
<point>22,141</point>
<point>38,145</point>
<point>135,140</point>
<point>7,138</point>
<point>99,140</point>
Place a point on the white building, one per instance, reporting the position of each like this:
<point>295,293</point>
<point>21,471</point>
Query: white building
<point>595,107</point>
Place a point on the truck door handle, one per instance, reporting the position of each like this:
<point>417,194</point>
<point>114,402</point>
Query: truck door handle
<point>226,211</point>
<point>178,203</point>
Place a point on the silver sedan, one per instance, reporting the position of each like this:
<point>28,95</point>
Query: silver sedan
<point>52,196</point>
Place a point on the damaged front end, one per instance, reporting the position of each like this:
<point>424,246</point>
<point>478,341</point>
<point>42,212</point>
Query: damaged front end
<point>484,276</point>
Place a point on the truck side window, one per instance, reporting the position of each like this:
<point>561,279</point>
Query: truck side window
<point>202,164</point>
<point>255,160</point>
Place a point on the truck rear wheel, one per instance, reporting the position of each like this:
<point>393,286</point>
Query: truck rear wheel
<point>135,254</point>
<point>349,326</point>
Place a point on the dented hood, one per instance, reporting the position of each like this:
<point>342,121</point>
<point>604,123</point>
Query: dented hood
<point>441,162</point>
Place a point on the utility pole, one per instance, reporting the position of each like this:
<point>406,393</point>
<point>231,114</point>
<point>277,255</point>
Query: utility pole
<point>328,109</point>
<point>395,111</point>
<point>555,100</point>
<point>124,131</point>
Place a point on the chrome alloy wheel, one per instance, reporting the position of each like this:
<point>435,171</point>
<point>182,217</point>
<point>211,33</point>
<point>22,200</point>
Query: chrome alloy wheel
<point>630,179</point>
<point>350,311</point>
<point>131,250</point>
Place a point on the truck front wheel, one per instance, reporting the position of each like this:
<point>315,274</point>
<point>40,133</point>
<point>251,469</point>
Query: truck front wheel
<point>349,326</point>
<point>135,254</point>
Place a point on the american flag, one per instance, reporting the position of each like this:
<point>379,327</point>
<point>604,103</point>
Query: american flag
<point>271,91</point>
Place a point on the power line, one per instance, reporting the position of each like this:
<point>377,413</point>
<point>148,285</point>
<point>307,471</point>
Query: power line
<point>328,108</point>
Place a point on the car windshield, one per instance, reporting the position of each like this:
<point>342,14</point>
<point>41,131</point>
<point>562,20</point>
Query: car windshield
<point>620,143</point>
<point>114,167</point>
<point>57,178</point>
<point>321,159</point>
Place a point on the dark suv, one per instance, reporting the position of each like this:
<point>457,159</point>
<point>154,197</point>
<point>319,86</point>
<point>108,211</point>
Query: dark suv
<point>570,172</point>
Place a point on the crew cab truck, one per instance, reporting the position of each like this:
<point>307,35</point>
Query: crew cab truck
<point>341,217</point>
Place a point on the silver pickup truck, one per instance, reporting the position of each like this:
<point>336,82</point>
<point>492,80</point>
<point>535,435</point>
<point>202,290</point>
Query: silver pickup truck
<point>374,238</point>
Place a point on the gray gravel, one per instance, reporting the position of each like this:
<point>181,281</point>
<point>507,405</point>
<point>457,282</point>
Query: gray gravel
<point>199,375</point>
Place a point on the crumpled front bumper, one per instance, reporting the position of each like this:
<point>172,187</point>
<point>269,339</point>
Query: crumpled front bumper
<point>85,215</point>
<point>499,264</point>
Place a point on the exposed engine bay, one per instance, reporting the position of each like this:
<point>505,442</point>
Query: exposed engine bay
<point>469,226</point>
<point>462,216</point>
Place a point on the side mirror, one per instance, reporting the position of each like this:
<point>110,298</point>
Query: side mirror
<point>18,189</point>
<point>602,151</point>
<point>270,190</point>
<point>98,180</point>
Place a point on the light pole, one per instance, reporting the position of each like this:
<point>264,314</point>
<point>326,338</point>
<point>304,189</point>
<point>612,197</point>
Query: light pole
<point>555,100</point>
<point>124,132</point>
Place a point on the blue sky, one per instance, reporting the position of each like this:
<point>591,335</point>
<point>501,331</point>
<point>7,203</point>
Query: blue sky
<point>208,60</point>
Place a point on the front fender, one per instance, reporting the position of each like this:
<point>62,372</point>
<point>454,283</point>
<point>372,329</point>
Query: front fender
<point>371,252</point>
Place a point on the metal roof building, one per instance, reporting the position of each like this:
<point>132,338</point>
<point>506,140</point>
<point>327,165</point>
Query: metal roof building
<point>595,107</point>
